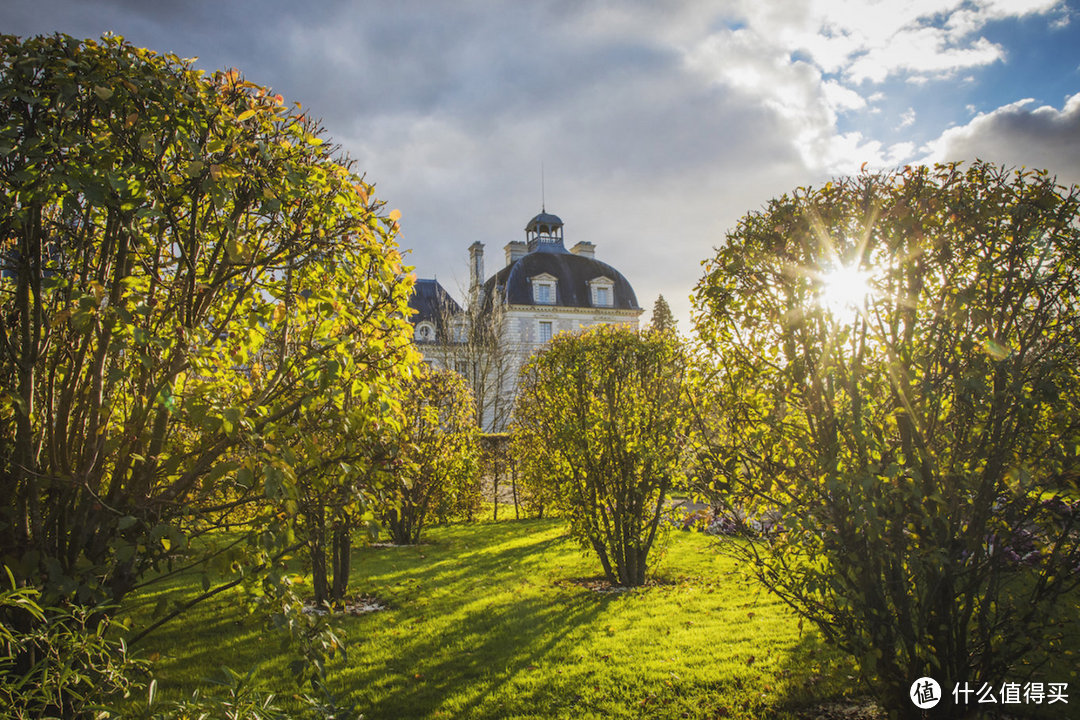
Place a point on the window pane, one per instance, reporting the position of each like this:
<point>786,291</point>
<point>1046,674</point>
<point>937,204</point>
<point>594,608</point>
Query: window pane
<point>545,330</point>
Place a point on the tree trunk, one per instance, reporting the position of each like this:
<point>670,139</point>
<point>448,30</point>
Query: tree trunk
<point>28,314</point>
<point>513,489</point>
<point>605,562</point>
<point>495,486</point>
<point>342,562</point>
<point>317,545</point>
<point>401,527</point>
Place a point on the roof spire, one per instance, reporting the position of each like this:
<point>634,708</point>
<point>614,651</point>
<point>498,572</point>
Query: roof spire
<point>543,200</point>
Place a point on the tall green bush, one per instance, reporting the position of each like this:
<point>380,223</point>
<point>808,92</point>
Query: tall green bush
<point>434,454</point>
<point>895,391</point>
<point>189,273</point>
<point>602,429</point>
<point>187,268</point>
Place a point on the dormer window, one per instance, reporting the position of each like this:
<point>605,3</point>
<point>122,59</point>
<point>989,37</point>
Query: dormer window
<point>544,287</point>
<point>602,290</point>
<point>425,332</point>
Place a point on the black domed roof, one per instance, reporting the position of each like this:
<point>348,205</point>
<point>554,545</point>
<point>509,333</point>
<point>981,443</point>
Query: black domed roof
<point>572,274</point>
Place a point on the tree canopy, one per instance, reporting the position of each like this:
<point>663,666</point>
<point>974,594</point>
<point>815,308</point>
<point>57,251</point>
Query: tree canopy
<point>896,372</point>
<point>186,267</point>
<point>435,455</point>
<point>601,429</point>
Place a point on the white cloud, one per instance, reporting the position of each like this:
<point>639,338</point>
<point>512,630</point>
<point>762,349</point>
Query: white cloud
<point>872,41</point>
<point>841,98</point>
<point>805,103</point>
<point>899,154</point>
<point>920,52</point>
<point>807,61</point>
<point>1018,134</point>
<point>1017,8</point>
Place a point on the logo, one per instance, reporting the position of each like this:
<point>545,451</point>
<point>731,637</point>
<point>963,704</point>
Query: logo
<point>925,693</point>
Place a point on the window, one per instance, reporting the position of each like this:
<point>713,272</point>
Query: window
<point>602,291</point>
<point>425,332</point>
<point>543,289</point>
<point>545,331</point>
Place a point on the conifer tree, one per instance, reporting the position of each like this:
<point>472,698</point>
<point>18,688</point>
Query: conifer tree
<point>662,319</point>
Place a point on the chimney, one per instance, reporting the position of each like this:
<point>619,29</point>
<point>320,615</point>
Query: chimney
<point>584,249</point>
<point>476,265</point>
<point>515,250</point>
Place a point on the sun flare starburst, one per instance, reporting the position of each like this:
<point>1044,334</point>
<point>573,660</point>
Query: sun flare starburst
<point>844,290</point>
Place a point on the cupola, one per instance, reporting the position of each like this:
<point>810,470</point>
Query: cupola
<point>545,233</point>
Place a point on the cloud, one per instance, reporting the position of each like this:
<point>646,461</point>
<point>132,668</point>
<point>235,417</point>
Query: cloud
<point>920,52</point>
<point>659,124</point>
<point>873,41</point>
<point>1018,134</point>
<point>807,63</point>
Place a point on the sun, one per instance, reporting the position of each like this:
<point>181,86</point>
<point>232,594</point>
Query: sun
<point>844,290</point>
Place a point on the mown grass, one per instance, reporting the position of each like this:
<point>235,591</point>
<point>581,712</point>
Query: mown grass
<point>502,620</point>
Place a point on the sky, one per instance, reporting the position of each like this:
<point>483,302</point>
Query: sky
<point>649,126</point>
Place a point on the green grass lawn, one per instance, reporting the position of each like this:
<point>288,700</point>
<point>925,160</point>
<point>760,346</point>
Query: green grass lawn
<point>502,620</point>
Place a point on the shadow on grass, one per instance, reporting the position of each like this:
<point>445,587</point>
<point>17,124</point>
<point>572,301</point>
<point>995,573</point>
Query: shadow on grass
<point>508,642</point>
<point>500,620</point>
<point>506,620</point>
<point>451,559</point>
<point>189,651</point>
<point>823,682</point>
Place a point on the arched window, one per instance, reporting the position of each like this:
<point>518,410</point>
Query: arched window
<point>424,332</point>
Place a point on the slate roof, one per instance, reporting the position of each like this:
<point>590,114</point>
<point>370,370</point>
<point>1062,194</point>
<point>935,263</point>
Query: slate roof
<point>431,302</point>
<point>545,222</point>
<point>572,272</point>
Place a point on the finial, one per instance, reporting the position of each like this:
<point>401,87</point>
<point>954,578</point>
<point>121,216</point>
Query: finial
<point>543,201</point>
